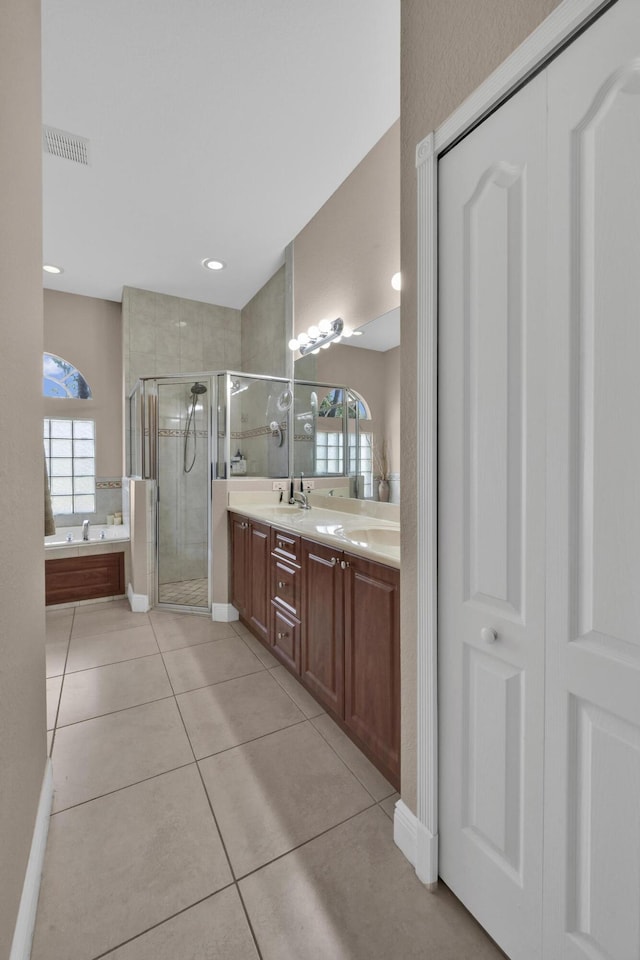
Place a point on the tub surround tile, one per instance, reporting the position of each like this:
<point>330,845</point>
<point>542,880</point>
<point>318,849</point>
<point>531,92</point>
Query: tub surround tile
<point>353,895</point>
<point>296,691</point>
<point>207,663</point>
<point>234,712</point>
<point>102,690</point>
<point>184,631</point>
<point>123,863</point>
<point>104,754</point>
<point>98,650</point>
<point>215,928</point>
<point>275,793</point>
<point>362,768</point>
<point>54,686</point>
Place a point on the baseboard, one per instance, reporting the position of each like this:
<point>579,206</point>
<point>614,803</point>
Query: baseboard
<point>26,921</point>
<point>224,612</point>
<point>139,602</point>
<point>405,831</point>
<point>418,845</point>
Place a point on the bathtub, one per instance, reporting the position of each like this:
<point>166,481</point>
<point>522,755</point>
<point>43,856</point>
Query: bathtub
<point>82,571</point>
<point>60,539</point>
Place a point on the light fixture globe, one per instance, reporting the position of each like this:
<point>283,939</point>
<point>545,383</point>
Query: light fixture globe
<point>396,281</point>
<point>293,344</point>
<point>324,325</point>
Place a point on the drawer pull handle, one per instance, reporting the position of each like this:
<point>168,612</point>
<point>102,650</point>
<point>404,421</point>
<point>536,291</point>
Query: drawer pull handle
<point>334,560</point>
<point>344,564</point>
<point>282,584</point>
<point>281,545</point>
<point>282,636</point>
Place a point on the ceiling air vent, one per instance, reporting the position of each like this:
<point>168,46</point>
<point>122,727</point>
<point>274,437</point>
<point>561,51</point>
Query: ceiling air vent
<point>59,143</point>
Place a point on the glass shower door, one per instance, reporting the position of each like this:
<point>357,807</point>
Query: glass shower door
<point>184,477</point>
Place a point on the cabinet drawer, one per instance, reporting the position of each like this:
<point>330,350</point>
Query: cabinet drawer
<point>285,545</point>
<point>285,633</point>
<point>285,585</point>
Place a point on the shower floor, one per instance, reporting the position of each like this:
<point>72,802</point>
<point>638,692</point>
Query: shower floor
<point>193,593</point>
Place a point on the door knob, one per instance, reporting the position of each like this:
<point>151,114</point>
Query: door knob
<point>488,635</point>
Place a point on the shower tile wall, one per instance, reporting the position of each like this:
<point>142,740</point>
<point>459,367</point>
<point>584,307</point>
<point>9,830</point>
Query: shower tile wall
<point>183,496</point>
<point>164,335</point>
<point>264,335</point>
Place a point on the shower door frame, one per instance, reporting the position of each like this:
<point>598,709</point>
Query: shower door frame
<point>154,458</point>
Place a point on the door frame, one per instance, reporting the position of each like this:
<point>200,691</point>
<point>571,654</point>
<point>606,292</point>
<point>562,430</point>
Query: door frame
<point>417,835</point>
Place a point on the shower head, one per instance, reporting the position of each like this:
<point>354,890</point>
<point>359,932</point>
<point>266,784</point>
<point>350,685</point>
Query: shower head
<point>198,388</point>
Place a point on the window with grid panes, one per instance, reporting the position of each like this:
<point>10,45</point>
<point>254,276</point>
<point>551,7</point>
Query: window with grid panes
<point>69,447</point>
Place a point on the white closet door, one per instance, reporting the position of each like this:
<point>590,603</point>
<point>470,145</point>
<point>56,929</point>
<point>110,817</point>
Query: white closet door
<point>592,775</point>
<point>492,209</point>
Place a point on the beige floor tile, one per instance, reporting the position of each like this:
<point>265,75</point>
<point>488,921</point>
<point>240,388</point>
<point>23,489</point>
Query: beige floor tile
<point>355,897</point>
<point>54,686</point>
<point>370,778</point>
<point>273,794</point>
<point>216,929</point>
<point>296,691</point>
<point>59,627</point>
<point>121,864</point>
<point>206,663</point>
<point>101,755</point>
<point>176,632</point>
<point>256,647</point>
<point>102,605</point>
<point>389,805</point>
<point>56,654</point>
<point>103,618</point>
<point>236,711</point>
<point>58,613</point>
<point>96,651</point>
<point>91,693</point>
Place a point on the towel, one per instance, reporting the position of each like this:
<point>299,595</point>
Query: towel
<point>49,522</point>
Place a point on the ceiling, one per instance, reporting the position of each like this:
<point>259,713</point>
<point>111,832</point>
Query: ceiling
<point>216,128</point>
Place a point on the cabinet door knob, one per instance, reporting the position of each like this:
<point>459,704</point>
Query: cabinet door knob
<point>344,564</point>
<point>282,584</point>
<point>488,635</point>
<point>282,636</point>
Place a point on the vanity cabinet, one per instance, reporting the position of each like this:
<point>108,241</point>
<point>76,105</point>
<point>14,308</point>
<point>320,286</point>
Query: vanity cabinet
<point>333,619</point>
<point>286,581</point>
<point>250,542</point>
<point>322,660</point>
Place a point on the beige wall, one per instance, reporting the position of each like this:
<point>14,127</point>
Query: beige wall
<point>22,668</point>
<point>88,333</point>
<point>346,255</point>
<point>448,48</point>
<point>264,337</point>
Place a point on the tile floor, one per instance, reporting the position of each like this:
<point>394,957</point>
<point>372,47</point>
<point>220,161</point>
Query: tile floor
<point>206,808</point>
<point>192,593</point>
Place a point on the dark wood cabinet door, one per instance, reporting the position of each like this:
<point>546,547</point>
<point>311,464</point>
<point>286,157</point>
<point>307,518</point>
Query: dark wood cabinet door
<point>285,637</point>
<point>258,579</point>
<point>239,536</point>
<point>322,648</point>
<point>372,659</point>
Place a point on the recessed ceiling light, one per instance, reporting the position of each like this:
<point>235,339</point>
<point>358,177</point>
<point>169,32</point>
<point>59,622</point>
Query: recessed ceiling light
<point>213,264</point>
<point>51,268</point>
<point>396,281</point>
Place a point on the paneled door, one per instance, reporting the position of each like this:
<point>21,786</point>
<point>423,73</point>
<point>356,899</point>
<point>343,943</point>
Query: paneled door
<point>491,426</point>
<point>592,763</point>
<point>539,507</point>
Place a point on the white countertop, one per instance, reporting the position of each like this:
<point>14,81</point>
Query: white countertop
<point>359,533</point>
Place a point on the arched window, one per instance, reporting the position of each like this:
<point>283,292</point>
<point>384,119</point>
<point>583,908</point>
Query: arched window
<point>61,379</point>
<point>330,453</point>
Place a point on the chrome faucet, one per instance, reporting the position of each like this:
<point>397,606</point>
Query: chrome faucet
<point>85,529</point>
<point>303,500</point>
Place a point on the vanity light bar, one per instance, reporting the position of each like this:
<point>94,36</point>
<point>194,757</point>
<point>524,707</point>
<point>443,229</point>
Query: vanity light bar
<point>316,337</point>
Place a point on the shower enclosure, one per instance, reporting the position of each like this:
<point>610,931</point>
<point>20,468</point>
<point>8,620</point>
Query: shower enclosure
<point>190,431</point>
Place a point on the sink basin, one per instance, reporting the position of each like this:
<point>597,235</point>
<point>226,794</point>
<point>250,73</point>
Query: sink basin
<point>374,537</point>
